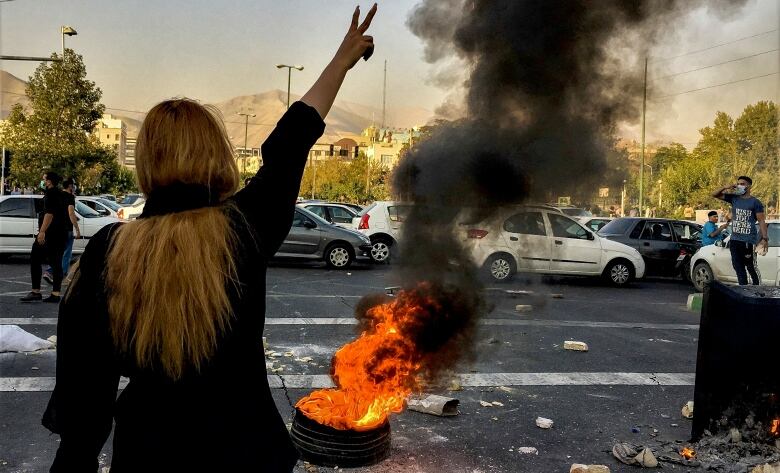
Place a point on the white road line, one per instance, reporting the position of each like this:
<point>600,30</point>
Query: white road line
<point>27,321</point>
<point>319,381</point>
<point>11,294</point>
<point>352,321</point>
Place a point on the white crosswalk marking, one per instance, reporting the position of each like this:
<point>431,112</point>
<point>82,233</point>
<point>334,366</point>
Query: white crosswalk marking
<point>318,381</point>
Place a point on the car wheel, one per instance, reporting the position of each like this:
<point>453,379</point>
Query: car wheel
<point>338,256</point>
<point>702,276</point>
<point>380,250</point>
<point>619,272</point>
<point>501,267</point>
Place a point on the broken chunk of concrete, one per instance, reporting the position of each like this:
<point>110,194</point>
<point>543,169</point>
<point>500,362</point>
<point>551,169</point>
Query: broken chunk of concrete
<point>528,450</point>
<point>53,339</point>
<point>580,468</point>
<point>524,308</point>
<point>486,404</point>
<point>575,346</point>
<point>625,453</point>
<point>735,436</point>
<point>646,459</point>
<point>767,468</point>
<point>433,404</point>
<point>687,410</point>
<point>454,385</point>
<point>544,423</point>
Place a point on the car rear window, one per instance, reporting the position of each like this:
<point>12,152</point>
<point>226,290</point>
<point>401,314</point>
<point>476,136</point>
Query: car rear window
<point>398,213</point>
<point>17,208</point>
<point>367,209</point>
<point>615,227</point>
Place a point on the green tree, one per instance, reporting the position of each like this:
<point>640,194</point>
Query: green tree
<point>357,180</point>
<point>57,133</point>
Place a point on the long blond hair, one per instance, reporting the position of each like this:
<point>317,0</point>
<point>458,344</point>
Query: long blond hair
<point>168,275</point>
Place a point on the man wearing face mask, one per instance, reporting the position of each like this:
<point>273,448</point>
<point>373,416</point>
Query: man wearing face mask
<point>50,242</point>
<point>746,211</point>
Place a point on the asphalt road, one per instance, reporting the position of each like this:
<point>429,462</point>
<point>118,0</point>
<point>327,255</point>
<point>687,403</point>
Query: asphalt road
<point>637,374</point>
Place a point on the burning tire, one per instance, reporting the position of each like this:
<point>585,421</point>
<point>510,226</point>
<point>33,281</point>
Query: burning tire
<point>501,267</point>
<point>380,250</point>
<point>325,446</point>
<point>702,276</point>
<point>619,272</point>
<point>339,256</point>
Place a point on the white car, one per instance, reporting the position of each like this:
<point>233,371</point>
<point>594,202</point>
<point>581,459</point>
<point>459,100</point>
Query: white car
<point>338,214</point>
<point>103,206</point>
<point>19,223</point>
<point>537,240</point>
<point>382,222</point>
<point>713,262</point>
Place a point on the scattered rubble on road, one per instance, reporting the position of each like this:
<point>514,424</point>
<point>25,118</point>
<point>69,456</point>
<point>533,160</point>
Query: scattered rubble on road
<point>433,404</point>
<point>766,468</point>
<point>556,296</point>
<point>580,468</point>
<point>687,410</point>
<point>646,459</point>
<point>524,308</point>
<point>625,452</point>
<point>544,423</point>
<point>575,346</point>
<point>528,450</point>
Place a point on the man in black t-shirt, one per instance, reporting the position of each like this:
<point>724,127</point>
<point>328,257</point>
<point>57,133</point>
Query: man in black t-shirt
<point>49,244</point>
<point>71,224</point>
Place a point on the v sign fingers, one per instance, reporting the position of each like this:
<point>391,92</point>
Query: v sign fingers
<point>355,18</point>
<point>367,22</point>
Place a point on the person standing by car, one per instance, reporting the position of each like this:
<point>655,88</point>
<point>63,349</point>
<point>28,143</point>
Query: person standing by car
<point>49,244</point>
<point>746,211</point>
<point>175,300</point>
<point>711,232</point>
<point>72,223</point>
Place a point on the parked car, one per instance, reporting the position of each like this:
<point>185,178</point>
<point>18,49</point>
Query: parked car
<point>104,207</point>
<point>571,211</point>
<point>130,199</point>
<point>132,211</point>
<point>110,197</point>
<point>19,221</point>
<point>666,245</point>
<point>382,222</point>
<point>538,240</point>
<point>313,238</point>
<point>357,208</point>
<point>338,214</point>
<point>713,262</point>
<point>594,223</point>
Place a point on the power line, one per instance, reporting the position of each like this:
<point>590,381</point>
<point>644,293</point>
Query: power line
<point>713,86</point>
<point>715,46</point>
<point>719,64</point>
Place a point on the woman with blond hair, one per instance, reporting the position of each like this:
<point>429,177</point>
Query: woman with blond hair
<point>175,301</point>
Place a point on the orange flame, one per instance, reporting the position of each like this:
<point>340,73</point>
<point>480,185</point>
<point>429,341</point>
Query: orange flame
<point>375,373</point>
<point>774,429</point>
<point>687,453</point>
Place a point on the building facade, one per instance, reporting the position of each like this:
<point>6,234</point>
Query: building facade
<point>112,132</point>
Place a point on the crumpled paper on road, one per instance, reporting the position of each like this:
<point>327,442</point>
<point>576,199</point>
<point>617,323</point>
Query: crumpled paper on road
<point>14,339</point>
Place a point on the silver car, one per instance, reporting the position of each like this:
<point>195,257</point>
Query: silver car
<point>313,238</point>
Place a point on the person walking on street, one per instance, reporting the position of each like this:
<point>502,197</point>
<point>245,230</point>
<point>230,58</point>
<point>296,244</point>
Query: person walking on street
<point>49,244</point>
<point>746,211</point>
<point>175,300</point>
<point>711,232</point>
<point>71,224</point>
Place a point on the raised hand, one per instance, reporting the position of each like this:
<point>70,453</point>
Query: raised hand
<point>356,43</point>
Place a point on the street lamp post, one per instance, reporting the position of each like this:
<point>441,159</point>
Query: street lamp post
<point>289,77</point>
<point>246,131</point>
<point>69,31</point>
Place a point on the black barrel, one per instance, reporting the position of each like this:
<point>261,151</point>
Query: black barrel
<point>325,446</point>
<point>736,368</point>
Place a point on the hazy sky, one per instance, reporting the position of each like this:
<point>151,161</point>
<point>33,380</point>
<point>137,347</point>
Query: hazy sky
<point>140,52</point>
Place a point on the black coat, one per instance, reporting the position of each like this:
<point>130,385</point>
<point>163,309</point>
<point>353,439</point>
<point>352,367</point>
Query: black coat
<point>222,418</point>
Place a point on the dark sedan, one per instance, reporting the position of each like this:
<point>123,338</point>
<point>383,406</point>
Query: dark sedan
<point>666,245</point>
<point>313,238</point>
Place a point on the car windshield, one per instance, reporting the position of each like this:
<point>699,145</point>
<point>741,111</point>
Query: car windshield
<point>110,204</point>
<point>130,199</point>
<point>617,226</point>
<point>574,212</point>
<point>85,211</point>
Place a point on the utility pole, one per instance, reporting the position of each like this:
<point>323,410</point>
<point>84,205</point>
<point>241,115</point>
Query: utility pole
<point>246,131</point>
<point>642,168</point>
<point>384,98</point>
